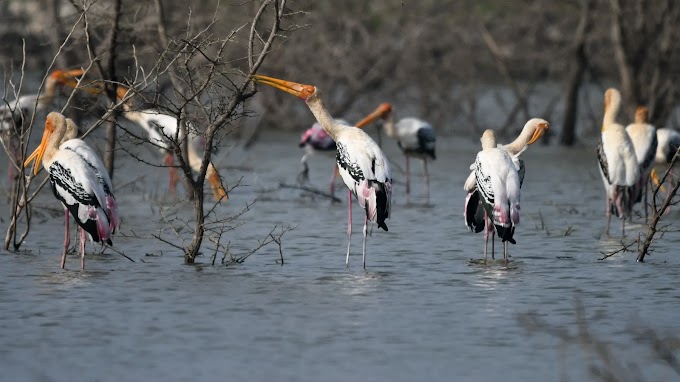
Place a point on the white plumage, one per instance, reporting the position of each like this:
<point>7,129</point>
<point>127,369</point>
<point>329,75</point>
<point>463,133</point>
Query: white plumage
<point>643,137</point>
<point>497,179</point>
<point>362,165</point>
<point>618,162</point>
<point>82,185</point>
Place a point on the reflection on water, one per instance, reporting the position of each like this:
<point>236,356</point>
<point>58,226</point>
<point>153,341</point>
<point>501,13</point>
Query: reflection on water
<point>426,309</point>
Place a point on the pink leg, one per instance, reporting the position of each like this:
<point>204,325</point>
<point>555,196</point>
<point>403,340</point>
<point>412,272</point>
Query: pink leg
<point>427,181</point>
<point>608,214</point>
<point>349,225</point>
<point>173,178</point>
<point>332,186</point>
<point>505,253</point>
<point>408,181</point>
<point>67,239</point>
<point>365,231</point>
<point>486,235</point>
<point>82,248</point>
<point>493,242</point>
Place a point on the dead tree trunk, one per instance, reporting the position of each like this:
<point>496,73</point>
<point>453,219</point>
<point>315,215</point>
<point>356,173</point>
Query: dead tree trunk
<point>575,77</point>
<point>109,152</point>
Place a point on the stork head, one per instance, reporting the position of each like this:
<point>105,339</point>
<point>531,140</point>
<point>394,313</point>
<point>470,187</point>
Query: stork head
<point>294,88</point>
<point>55,125</point>
<point>488,140</point>
<point>641,114</point>
<point>383,111</point>
<point>612,99</point>
<point>537,127</point>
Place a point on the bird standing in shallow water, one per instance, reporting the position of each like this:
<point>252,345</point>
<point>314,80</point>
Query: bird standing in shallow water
<point>77,183</point>
<point>415,137</point>
<point>362,165</point>
<point>643,137</point>
<point>497,180</point>
<point>475,216</point>
<point>618,163</point>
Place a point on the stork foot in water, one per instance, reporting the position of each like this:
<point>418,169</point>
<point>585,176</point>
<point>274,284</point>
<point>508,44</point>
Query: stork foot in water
<point>303,176</point>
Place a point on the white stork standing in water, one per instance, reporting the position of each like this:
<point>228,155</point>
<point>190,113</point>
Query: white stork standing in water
<point>362,165</point>
<point>316,140</point>
<point>475,216</point>
<point>643,136</point>
<point>415,137</point>
<point>497,180</point>
<point>77,183</point>
<point>618,163</point>
<point>15,115</point>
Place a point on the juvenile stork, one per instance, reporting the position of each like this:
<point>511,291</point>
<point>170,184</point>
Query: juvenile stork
<point>645,142</point>
<point>474,213</point>
<point>415,137</point>
<point>76,183</point>
<point>497,179</point>
<point>618,163</point>
<point>362,165</point>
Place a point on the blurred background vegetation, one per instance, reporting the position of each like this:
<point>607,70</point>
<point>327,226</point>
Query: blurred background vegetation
<point>463,65</point>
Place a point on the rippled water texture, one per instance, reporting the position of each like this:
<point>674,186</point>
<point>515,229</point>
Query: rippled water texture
<point>423,311</point>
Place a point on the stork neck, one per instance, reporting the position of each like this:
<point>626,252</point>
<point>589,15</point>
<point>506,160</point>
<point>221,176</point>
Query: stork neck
<point>52,147</point>
<point>516,146</point>
<point>46,99</point>
<point>388,125</point>
<point>610,112</point>
<point>324,117</point>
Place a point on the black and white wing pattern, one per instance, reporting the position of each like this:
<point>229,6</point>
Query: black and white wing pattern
<point>366,172</point>
<point>77,187</point>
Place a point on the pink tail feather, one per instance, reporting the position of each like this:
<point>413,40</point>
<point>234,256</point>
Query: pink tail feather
<point>112,209</point>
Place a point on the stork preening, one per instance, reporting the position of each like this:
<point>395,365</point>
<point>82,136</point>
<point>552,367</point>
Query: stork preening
<point>16,114</point>
<point>79,180</point>
<point>497,179</point>
<point>415,137</point>
<point>618,163</point>
<point>316,140</point>
<point>362,165</point>
<point>476,217</point>
<point>643,137</point>
<point>162,131</point>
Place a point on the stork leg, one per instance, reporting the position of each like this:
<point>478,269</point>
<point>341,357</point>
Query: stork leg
<point>67,239</point>
<point>486,235</point>
<point>335,175</point>
<point>408,180</point>
<point>608,213</point>
<point>349,225</point>
<point>427,182</point>
<point>303,176</point>
<point>82,248</point>
<point>173,178</point>
<point>505,252</point>
<point>364,246</point>
<point>646,186</point>
<point>493,242</point>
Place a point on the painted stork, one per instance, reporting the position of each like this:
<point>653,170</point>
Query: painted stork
<point>497,180</point>
<point>645,142</point>
<point>77,183</point>
<point>415,137</point>
<point>316,140</point>
<point>15,115</point>
<point>618,163</point>
<point>362,165</point>
<point>474,213</point>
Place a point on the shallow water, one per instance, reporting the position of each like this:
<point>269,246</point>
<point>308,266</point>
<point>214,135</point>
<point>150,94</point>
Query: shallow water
<point>423,311</point>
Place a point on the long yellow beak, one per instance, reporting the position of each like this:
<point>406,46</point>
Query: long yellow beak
<point>294,88</point>
<point>539,132</point>
<point>218,190</point>
<point>380,112</point>
<point>40,150</point>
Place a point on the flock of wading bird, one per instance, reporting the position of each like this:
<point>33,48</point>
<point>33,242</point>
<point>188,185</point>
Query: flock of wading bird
<point>79,179</point>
